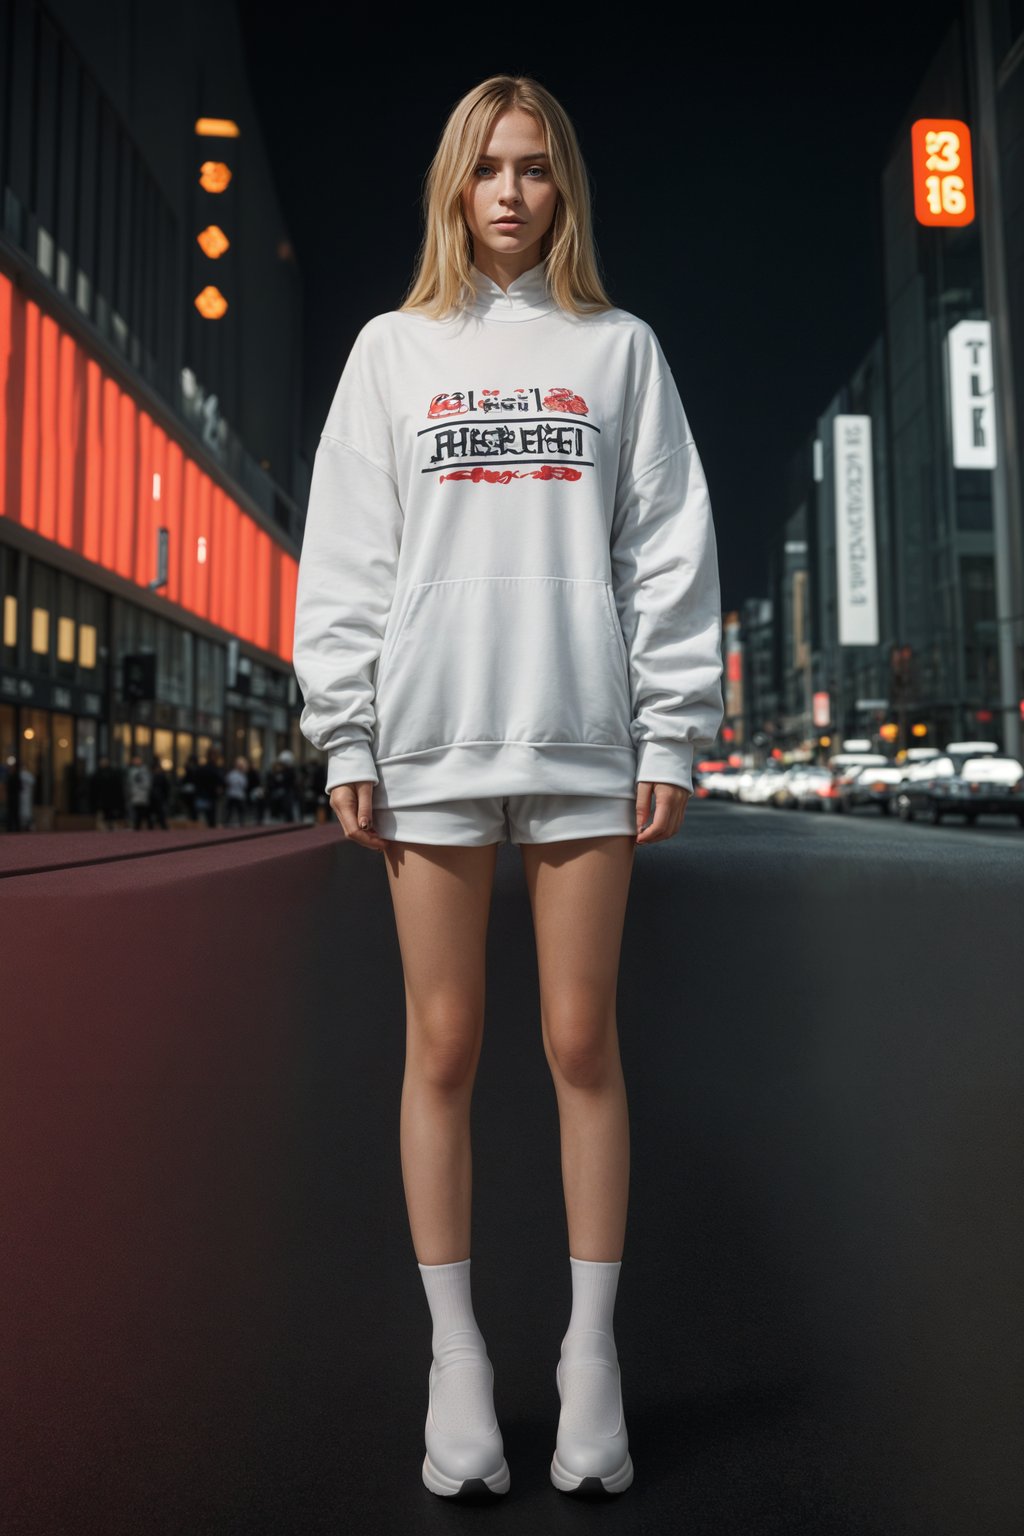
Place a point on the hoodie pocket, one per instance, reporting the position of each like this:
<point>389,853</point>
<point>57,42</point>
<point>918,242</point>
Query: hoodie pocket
<point>532,659</point>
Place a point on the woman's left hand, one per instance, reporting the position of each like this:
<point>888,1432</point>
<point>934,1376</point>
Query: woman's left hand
<point>669,810</point>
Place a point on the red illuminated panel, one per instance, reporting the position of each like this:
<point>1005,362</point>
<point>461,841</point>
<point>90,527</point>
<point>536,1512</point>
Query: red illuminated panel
<point>204,534</point>
<point>68,425</point>
<point>26,444</point>
<point>173,492</point>
<point>232,517</point>
<point>943,175</point>
<point>46,521</point>
<point>262,614</point>
<point>145,564</point>
<point>6,346</point>
<point>77,459</point>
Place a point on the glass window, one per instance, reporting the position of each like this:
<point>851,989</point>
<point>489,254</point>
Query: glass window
<point>9,559</point>
<point>66,638</point>
<point>212,673</point>
<point>42,596</point>
<point>91,637</point>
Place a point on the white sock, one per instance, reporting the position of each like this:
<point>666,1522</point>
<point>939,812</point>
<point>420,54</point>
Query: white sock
<point>589,1359</point>
<point>463,1400</point>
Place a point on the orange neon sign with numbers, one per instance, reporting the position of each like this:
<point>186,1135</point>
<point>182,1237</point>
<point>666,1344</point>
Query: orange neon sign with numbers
<point>943,176</point>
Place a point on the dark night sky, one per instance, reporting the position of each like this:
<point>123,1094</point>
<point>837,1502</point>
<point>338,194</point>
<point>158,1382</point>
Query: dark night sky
<point>736,192</point>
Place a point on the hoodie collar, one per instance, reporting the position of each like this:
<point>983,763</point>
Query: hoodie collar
<point>527,296</point>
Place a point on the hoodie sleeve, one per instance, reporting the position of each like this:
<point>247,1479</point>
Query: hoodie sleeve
<point>666,582</point>
<point>347,569</point>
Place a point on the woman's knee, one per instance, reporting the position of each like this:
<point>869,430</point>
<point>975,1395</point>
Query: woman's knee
<point>443,1042</point>
<point>581,1043</point>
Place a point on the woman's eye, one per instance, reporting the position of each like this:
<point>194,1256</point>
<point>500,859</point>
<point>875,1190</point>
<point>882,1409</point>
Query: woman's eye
<point>538,168</point>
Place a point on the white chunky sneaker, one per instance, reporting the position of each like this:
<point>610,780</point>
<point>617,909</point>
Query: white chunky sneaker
<point>465,1456</point>
<point>592,1446</point>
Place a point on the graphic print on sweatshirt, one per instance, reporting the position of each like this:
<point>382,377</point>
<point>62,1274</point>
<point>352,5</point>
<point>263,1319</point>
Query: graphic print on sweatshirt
<point>522,434</point>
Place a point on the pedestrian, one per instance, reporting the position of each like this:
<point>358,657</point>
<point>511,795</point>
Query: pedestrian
<point>208,781</point>
<point>159,792</point>
<point>257,793</point>
<point>27,799</point>
<point>277,791</point>
<point>236,792</point>
<point>187,787</point>
<point>508,627</point>
<point>290,799</point>
<point>139,783</point>
<point>106,795</point>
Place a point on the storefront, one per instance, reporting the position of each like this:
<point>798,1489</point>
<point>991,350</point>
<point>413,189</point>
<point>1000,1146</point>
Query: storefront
<point>62,704</point>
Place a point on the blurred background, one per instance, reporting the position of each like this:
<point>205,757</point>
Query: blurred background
<point>200,209</point>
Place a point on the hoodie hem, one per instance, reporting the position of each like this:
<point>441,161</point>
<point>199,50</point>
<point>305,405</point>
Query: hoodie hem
<point>504,768</point>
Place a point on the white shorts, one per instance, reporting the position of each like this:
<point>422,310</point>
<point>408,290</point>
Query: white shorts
<point>508,818</point>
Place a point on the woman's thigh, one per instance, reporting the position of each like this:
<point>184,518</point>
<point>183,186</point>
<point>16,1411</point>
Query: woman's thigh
<point>579,890</point>
<point>442,899</point>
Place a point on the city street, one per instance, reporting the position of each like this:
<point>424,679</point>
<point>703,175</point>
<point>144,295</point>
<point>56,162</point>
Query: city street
<point>215,1319</point>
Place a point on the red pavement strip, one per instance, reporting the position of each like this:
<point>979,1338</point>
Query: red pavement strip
<point>33,853</point>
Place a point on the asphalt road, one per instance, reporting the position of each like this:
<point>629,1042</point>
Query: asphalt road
<point>819,1309</point>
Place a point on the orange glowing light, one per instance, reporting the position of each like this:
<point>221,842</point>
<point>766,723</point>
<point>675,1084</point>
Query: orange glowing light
<point>214,176</point>
<point>217,127</point>
<point>211,303</point>
<point>212,241</point>
<point>943,174</point>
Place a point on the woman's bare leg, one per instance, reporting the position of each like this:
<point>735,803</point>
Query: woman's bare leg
<point>442,899</point>
<point>578,892</point>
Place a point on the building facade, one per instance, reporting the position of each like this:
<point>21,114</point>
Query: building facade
<point>933,667</point>
<point>151,482</point>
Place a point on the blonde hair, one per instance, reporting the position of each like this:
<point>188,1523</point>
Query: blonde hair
<point>442,282</point>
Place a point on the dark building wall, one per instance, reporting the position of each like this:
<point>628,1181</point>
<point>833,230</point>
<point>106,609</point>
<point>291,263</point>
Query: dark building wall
<point>941,516</point>
<point>1008,50</point>
<point>161,67</point>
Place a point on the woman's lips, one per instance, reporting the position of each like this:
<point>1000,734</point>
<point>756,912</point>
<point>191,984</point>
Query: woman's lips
<point>508,223</point>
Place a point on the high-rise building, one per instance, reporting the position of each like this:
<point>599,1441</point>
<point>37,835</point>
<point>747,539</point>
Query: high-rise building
<point>152,481</point>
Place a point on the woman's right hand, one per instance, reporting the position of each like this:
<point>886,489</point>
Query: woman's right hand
<point>352,804</point>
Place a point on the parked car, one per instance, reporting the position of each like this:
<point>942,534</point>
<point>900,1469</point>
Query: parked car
<point>991,783</point>
<point>871,786</point>
<point>784,792</point>
<point>764,787</point>
<point>847,766</point>
<point>815,789</point>
<point>720,783</point>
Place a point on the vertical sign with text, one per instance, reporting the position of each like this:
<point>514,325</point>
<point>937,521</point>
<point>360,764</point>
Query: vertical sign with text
<point>971,397</point>
<point>856,574</point>
<point>943,175</point>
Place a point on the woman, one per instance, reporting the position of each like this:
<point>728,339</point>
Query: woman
<point>508,626</point>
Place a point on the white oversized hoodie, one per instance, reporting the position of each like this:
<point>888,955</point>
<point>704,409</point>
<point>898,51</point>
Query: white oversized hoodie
<point>509,578</point>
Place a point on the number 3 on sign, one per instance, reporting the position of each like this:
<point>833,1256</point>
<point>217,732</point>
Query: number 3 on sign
<point>943,180</point>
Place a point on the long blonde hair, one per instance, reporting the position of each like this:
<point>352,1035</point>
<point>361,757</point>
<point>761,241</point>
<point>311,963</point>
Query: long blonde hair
<point>442,282</point>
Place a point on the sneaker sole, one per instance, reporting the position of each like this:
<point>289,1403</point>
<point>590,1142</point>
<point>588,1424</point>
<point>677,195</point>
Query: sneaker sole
<point>572,1482</point>
<point>450,1487</point>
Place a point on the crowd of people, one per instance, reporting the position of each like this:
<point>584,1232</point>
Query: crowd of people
<point>145,793</point>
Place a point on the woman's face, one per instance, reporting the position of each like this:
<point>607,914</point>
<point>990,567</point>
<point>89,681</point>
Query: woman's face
<point>511,179</point>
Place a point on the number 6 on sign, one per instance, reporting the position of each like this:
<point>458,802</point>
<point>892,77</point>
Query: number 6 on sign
<point>943,179</point>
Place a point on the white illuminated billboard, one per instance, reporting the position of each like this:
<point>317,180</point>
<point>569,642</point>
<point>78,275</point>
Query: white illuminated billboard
<point>971,395</point>
<point>856,575</point>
